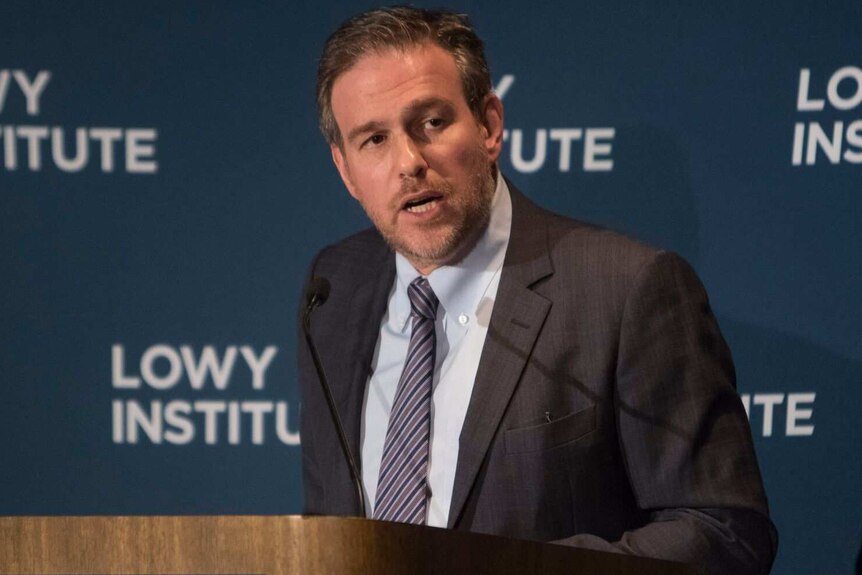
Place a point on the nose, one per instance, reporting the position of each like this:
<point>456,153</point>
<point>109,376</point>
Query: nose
<point>411,162</point>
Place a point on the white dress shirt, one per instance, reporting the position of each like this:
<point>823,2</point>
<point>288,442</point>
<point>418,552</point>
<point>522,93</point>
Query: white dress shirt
<point>466,292</point>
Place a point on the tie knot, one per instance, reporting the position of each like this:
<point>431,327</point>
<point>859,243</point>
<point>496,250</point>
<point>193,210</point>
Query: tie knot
<point>423,302</point>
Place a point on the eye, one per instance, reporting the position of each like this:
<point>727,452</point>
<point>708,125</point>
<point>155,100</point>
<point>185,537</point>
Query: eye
<point>374,140</point>
<point>434,123</point>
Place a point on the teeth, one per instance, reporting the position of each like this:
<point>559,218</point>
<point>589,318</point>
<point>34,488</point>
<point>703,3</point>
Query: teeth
<point>422,207</point>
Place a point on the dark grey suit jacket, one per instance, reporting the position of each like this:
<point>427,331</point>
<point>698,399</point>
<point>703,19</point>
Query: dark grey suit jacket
<point>648,450</point>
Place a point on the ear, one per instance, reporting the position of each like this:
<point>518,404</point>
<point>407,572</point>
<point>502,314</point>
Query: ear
<point>493,124</point>
<point>343,170</point>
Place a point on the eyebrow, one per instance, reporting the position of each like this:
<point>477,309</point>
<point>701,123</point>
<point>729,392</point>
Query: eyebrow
<point>412,110</point>
<point>416,108</point>
<point>365,128</point>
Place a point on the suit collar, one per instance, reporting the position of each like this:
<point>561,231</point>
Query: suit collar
<point>528,257</point>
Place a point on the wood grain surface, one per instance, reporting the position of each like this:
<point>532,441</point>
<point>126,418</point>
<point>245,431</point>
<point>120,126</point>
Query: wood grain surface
<point>282,545</point>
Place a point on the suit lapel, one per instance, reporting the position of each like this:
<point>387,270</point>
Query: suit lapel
<point>518,316</point>
<point>366,307</point>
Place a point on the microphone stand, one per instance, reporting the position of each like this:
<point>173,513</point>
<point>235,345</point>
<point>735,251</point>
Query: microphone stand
<point>317,295</point>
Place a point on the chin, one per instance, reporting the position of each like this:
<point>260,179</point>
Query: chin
<point>437,251</point>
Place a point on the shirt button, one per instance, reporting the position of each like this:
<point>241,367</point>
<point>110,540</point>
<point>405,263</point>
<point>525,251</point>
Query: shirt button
<point>463,319</point>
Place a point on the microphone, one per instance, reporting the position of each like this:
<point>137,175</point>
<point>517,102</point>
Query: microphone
<point>316,295</point>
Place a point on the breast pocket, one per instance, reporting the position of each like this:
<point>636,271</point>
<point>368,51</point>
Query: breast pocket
<point>552,434</point>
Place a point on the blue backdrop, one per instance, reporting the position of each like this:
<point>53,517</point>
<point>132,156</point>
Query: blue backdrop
<point>163,188</point>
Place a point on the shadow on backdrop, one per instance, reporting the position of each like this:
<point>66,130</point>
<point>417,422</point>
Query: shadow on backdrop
<point>768,361</point>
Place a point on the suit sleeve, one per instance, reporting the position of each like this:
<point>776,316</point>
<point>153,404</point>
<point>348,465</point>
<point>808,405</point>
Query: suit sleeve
<point>683,432</point>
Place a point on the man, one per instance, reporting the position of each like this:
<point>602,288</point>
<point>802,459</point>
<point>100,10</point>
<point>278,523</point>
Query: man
<point>499,368</point>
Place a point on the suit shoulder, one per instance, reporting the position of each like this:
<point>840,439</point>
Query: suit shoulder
<point>580,252</point>
<point>568,236</point>
<point>360,267</point>
<point>618,265</point>
<point>352,255</point>
<point>596,248</point>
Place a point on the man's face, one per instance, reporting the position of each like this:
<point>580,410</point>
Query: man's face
<point>414,155</point>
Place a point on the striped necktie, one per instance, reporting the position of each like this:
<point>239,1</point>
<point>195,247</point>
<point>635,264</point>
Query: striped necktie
<point>402,487</point>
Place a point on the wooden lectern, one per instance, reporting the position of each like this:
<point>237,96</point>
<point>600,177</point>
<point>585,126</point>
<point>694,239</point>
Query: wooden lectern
<point>286,545</point>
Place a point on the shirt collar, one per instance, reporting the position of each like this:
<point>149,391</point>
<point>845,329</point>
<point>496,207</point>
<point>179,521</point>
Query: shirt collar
<point>460,286</point>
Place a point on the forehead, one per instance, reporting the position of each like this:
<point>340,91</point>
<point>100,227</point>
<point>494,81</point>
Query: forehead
<point>386,81</point>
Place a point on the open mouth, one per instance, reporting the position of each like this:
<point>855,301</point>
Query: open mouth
<point>422,205</point>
